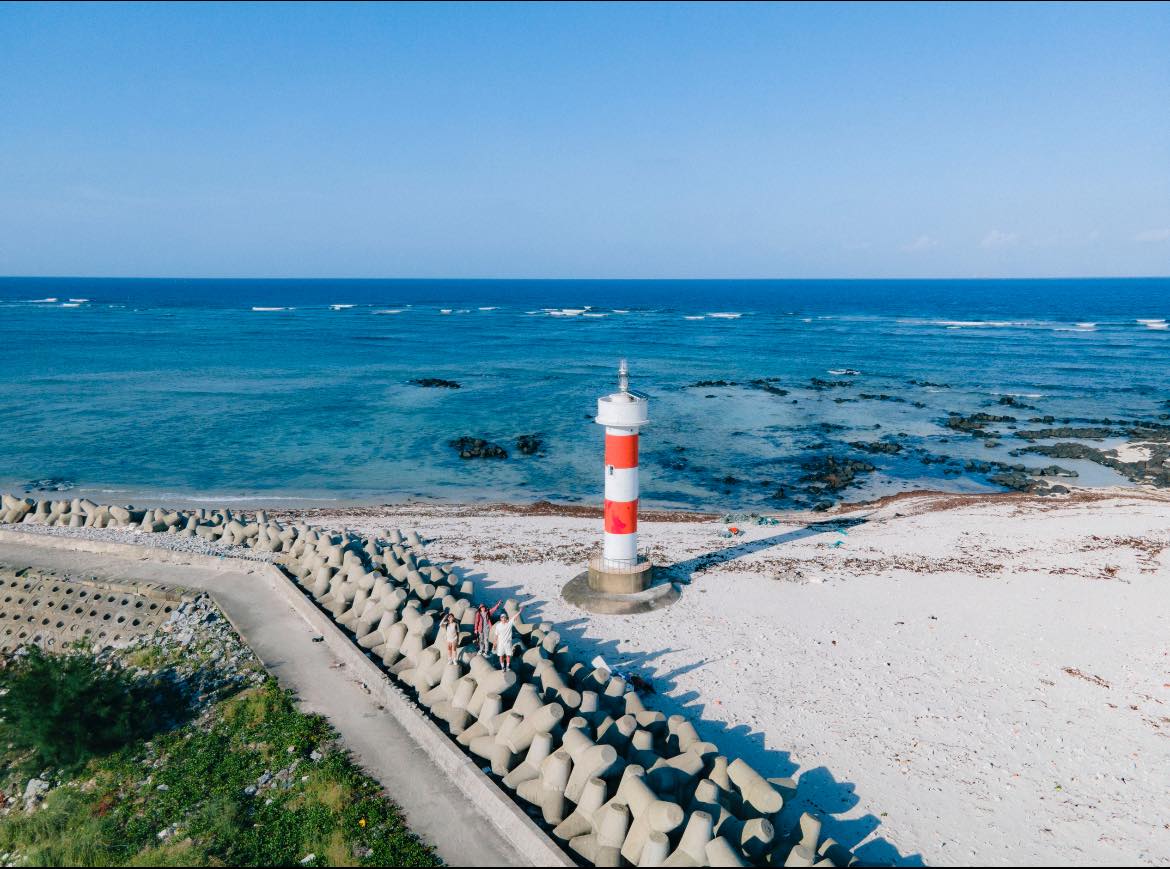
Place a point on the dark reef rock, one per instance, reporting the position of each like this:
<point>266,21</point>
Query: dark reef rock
<point>927,383</point>
<point>529,444</point>
<point>1065,451</point>
<point>1054,471</point>
<point>817,383</point>
<point>478,448</point>
<point>1014,477</point>
<point>707,384</point>
<point>675,461</point>
<point>1018,478</point>
<point>1158,432</point>
<point>1154,471</point>
<point>974,423</point>
<point>869,396</point>
<point>833,473</point>
<point>435,383</point>
<point>877,447</point>
<point>932,459</point>
<point>1088,432</point>
<point>1012,401</point>
<point>1016,481</point>
<point>766,384</point>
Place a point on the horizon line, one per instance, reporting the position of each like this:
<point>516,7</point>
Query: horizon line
<point>580,279</point>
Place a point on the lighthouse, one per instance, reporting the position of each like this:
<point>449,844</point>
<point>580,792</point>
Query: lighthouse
<point>618,581</point>
<point>617,569</point>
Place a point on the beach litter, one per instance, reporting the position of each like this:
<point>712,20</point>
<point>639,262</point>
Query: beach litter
<point>748,518</point>
<point>730,518</point>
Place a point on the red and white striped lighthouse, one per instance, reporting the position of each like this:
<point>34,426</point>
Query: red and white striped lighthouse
<point>622,413</point>
<point>618,581</point>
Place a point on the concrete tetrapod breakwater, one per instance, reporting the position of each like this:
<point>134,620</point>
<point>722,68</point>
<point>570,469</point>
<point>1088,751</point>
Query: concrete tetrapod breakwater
<point>612,781</point>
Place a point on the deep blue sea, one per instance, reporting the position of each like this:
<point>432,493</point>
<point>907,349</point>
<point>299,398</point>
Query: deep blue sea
<point>186,389</point>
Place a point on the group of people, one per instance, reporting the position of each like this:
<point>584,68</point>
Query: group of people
<point>489,636</point>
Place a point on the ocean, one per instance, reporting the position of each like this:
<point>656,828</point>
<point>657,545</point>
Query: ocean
<point>300,390</point>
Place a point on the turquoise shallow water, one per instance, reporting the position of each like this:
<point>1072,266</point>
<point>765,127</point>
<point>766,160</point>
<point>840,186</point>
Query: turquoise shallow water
<point>184,389</point>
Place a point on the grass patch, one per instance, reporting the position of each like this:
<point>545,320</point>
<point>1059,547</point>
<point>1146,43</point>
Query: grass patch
<point>252,782</point>
<point>146,658</point>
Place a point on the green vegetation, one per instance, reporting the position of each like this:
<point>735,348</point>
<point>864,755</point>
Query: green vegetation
<point>252,781</point>
<point>62,710</point>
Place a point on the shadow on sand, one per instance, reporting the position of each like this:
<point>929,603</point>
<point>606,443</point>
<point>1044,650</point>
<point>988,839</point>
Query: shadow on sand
<point>684,571</point>
<point>818,790</point>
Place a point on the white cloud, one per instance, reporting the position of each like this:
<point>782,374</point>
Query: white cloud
<point>923,242</point>
<point>1154,235</point>
<point>997,238</point>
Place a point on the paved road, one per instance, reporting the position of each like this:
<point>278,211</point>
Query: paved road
<point>435,809</point>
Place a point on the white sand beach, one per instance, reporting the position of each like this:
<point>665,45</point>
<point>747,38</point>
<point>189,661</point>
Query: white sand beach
<point>951,679</point>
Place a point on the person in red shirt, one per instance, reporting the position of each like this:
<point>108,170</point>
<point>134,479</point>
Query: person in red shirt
<point>483,626</point>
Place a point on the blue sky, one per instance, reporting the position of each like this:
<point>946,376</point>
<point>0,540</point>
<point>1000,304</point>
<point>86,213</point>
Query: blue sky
<point>585,141</point>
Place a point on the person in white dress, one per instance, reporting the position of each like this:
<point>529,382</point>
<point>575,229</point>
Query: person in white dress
<point>504,640</point>
<point>451,634</point>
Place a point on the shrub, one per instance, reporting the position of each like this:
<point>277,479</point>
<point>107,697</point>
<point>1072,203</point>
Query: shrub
<point>60,710</point>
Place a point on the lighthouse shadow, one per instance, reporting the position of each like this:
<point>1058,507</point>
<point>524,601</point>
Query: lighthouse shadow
<point>684,571</point>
